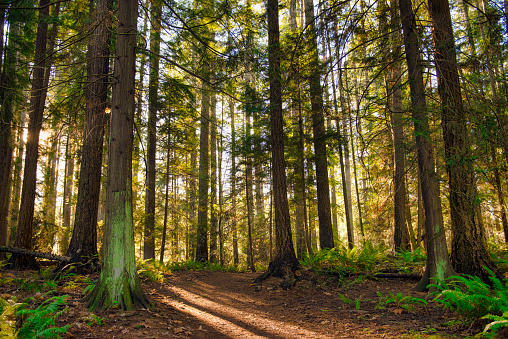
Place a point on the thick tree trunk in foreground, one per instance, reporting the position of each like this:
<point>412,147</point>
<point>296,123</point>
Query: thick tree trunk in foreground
<point>469,253</point>
<point>83,244</point>
<point>438,264</point>
<point>119,284</point>
<point>37,100</point>
<point>284,263</point>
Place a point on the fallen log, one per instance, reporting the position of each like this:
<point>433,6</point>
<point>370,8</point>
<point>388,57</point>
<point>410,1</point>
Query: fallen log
<point>24,251</point>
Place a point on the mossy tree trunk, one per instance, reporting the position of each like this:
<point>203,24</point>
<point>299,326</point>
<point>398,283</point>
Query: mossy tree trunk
<point>119,284</point>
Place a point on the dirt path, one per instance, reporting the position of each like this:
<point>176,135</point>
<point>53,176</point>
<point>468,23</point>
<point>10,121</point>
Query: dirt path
<point>206,304</point>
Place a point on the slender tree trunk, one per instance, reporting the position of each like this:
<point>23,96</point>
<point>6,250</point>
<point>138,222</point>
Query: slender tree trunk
<point>213,180</point>
<point>438,264</point>
<point>394,108</point>
<point>299,175</point>
<point>153,87</point>
<point>202,227</point>
<point>166,203</point>
<point>119,284</point>
<point>469,247</point>
<point>7,97</point>
<point>18,171</point>
<point>233,184</point>
<point>46,241</point>
<point>67,194</point>
<point>37,100</point>
<point>284,263</point>
<point>221,188</point>
<point>249,195</point>
<point>139,110</point>
<point>499,191</point>
<point>191,234</point>
<point>83,245</point>
<point>318,128</point>
<point>343,153</point>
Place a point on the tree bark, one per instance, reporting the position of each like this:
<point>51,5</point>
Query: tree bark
<point>204,178</point>
<point>318,128</point>
<point>166,202</point>
<point>284,262</point>
<point>83,244</point>
<point>153,87</point>
<point>119,284</point>
<point>233,184</point>
<point>67,194</point>
<point>45,240</point>
<point>469,252</point>
<point>7,98</point>
<point>213,181</point>
<point>37,101</point>
<point>438,264</point>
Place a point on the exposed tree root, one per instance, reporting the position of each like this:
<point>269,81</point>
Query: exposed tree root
<point>281,269</point>
<point>128,299</point>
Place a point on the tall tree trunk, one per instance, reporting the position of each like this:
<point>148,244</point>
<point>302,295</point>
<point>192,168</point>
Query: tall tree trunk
<point>37,101</point>
<point>83,245</point>
<point>7,98</point>
<point>166,203</point>
<point>318,128</point>
<point>67,194</point>
<point>394,108</point>
<point>153,87</point>
<point>284,262</point>
<point>249,195</point>
<point>202,226</point>
<point>119,284</point>
<point>17,175</point>
<point>46,241</point>
<point>438,264</point>
<point>233,184</point>
<point>499,191</point>
<point>221,188</point>
<point>469,247</point>
<point>213,180</point>
<point>299,175</point>
<point>192,190</point>
<point>343,147</point>
<point>139,111</point>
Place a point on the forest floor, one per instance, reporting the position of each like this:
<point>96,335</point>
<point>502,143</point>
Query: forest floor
<point>211,304</point>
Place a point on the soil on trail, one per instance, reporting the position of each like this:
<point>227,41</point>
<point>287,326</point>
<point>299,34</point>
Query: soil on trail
<point>208,304</point>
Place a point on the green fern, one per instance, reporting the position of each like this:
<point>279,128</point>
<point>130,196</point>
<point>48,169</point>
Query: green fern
<point>471,297</point>
<point>40,322</point>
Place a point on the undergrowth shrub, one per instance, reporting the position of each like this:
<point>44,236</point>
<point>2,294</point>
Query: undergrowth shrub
<point>33,323</point>
<point>152,270</point>
<point>473,298</point>
<point>192,265</point>
<point>40,322</point>
<point>342,260</point>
